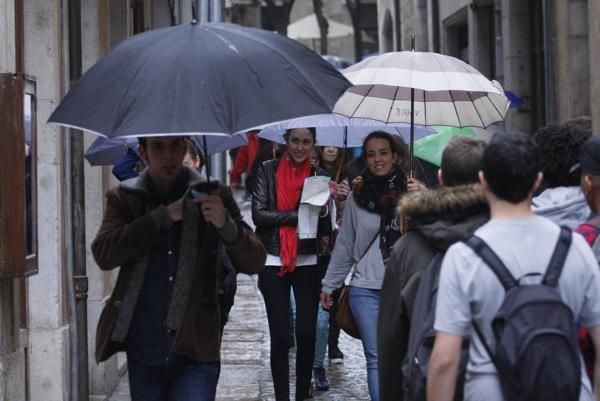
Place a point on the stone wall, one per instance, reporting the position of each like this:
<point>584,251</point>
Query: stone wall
<point>49,356</point>
<point>12,355</point>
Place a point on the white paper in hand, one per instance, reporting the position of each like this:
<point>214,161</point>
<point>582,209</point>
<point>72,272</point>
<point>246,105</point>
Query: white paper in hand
<point>315,194</point>
<point>315,191</point>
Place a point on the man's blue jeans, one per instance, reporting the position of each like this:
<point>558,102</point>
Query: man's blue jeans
<point>183,380</point>
<point>365,308</point>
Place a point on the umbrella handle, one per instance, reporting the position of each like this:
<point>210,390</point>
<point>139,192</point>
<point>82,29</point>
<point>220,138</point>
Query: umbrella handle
<point>206,158</point>
<point>340,166</point>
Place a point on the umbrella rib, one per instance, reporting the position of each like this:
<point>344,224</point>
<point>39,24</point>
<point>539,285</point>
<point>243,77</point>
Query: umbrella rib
<point>266,44</point>
<point>132,80</point>
<point>362,100</point>
<point>495,108</point>
<point>392,106</point>
<point>455,109</point>
<point>425,107</point>
<point>477,111</point>
<point>210,67</point>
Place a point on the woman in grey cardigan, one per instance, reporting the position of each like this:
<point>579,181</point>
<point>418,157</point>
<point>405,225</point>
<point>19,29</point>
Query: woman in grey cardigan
<point>369,230</point>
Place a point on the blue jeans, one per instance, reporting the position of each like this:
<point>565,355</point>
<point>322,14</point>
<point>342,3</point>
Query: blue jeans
<point>322,337</point>
<point>365,308</point>
<point>183,380</point>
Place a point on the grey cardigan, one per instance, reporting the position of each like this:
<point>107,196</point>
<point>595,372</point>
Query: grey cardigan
<point>357,231</point>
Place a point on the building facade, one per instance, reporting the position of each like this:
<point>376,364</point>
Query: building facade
<point>337,11</point>
<point>542,51</point>
<point>48,315</point>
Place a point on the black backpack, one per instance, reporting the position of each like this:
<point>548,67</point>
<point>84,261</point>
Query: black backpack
<point>422,336</point>
<point>537,350</point>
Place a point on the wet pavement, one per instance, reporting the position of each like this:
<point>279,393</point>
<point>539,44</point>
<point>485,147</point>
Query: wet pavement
<point>245,371</point>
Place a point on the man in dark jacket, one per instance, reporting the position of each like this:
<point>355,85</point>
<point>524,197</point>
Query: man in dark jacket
<point>164,310</point>
<point>438,219</point>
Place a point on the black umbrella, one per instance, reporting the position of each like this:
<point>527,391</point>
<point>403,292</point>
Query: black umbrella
<point>211,79</point>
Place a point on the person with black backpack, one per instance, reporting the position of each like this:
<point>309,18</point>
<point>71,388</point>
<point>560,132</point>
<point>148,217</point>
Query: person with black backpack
<point>519,287</point>
<point>438,218</point>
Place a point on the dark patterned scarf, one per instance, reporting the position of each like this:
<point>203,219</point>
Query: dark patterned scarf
<point>380,195</point>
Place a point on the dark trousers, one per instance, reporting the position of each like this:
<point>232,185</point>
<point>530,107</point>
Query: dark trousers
<point>183,380</point>
<point>305,282</point>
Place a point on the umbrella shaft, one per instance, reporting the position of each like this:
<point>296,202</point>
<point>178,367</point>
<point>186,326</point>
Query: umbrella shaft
<point>412,130</point>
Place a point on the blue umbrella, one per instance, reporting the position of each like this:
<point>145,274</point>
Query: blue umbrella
<point>340,131</point>
<point>106,152</point>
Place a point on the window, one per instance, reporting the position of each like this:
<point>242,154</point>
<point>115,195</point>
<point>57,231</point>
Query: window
<point>18,195</point>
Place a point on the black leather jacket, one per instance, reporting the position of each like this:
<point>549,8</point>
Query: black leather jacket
<point>268,220</point>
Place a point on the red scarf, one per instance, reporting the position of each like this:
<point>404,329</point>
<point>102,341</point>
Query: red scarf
<point>288,186</point>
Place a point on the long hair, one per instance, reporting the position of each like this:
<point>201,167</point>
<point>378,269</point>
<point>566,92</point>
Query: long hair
<point>334,167</point>
<point>398,146</point>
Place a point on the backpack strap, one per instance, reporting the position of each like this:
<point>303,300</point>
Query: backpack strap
<point>490,258</point>
<point>486,346</point>
<point>507,280</point>
<point>558,258</point>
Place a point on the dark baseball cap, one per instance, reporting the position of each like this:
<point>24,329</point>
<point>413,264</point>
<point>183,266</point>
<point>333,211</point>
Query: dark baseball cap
<point>589,157</point>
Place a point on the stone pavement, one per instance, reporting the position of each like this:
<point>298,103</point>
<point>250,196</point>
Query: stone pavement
<point>245,371</point>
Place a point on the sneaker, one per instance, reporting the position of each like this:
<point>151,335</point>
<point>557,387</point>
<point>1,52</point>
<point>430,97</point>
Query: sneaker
<point>335,356</point>
<point>321,382</point>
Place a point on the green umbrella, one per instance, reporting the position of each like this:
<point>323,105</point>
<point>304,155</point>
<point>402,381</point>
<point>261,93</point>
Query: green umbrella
<point>431,147</point>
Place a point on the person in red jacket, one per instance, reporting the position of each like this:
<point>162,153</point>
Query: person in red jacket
<point>244,159</point>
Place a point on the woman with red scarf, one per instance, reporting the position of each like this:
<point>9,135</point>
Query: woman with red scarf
<point>291,262</point>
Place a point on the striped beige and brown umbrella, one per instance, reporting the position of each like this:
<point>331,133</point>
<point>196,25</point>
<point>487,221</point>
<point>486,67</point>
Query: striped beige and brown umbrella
<point>445,91</point>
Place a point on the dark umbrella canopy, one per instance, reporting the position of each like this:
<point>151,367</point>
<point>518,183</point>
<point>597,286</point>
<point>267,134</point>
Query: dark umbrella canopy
<point>106,152</point>
<point>213,78</point>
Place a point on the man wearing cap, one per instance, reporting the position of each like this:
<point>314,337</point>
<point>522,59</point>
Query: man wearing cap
<point>589,165</point>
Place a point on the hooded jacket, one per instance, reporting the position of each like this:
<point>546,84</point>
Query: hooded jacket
<point>439,218</point>
<point>125,238</point>
<point>565,206</point>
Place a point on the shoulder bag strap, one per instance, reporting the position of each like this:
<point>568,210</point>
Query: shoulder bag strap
<point>365,252</point>
<point>490,258</point>
<point>368,247</point>
<point>557,261</point>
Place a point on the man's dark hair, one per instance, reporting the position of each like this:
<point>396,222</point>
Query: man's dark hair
<point>583,122</point>
<point>511,163</point>
<point>559,145</point>
<point>143,141</point>
<point>462,160</point>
